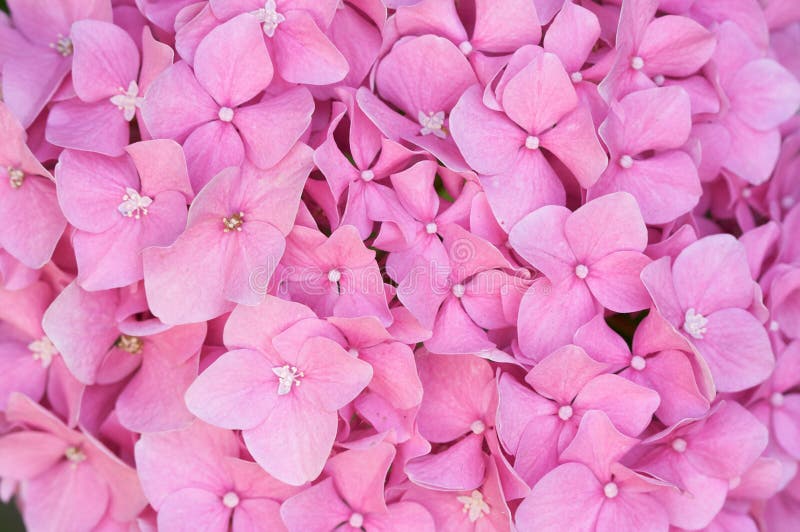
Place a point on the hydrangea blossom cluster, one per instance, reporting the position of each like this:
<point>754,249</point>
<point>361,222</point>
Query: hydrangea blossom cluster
<point>413,265</point>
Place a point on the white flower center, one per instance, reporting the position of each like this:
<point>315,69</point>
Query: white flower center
<point>658,79</point>
<point>133,204</point>
<point>532,142</point>
<point>474,505</point>
<point>74,455</point>
<point>356,520</point>
<point>638,363</point>
<point>734,482</point>
<point>230,499</point>
<point>459,290</point>
<point>128,100</point>
<point>576,77</point>
<point>431,228</point>
<point>477,426</point>
<point>679,445</point>
<point>287,376</point>
<point>269,17</point>
<point>15,177</point>
<point>776,399</point>
<point>565,412</point>
<point>334,276</point>
<point>787,202</point>
<point>611,490</point>
<point>581,271</point>
<point>63,45</point>
<point>774,326</point>
<point>465,47</point>
<point>367,175</point>
<point>432,123</point>
<point>637,63</point>
<point>747,192</point>
<point>626,161</point>
<point>43,350</point>
<point>695,324</point>
<point>225,114</point>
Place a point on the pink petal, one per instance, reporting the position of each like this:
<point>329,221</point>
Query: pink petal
<point>614,281</point>
<point>598,444</point>
<point>289,113</point>
<point>303,54</point>
<point>360,474</point>
<point>97,127</point>
<point>713,274</point>
<point>562,374</point>
<point>231,63</point>
<point>766,94</point>
<point>568,494</point>
<point>605,225</point>
<point>458,468</point>
<point>539,95</point>
<point>210,149</point>
<point>502,27</point>
<point>26,454</point>
<point>236,379</point>
<point>316,508</point>
<point>333,377</point>
<point>106,60</point>
<point>575,144</point>
<point>539,239</point>
<point>193,509</point>
<point>675,46</point>
<point>294,441</point>
<point>616,397</point>
<point>737,350</point>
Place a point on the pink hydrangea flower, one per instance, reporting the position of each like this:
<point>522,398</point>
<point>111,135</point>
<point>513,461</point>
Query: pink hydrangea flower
<point>208,113</point>
<point>281,385</point>
<point>704,296</point>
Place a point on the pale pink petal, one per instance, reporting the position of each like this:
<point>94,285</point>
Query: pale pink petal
<point>193,509</point>
<point>614,281</point>
<point>303,54</point>
<point>106,60</point>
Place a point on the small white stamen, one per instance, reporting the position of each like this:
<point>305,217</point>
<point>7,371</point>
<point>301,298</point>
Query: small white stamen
<point>459,290</point>
<point>658,79</point>
<point>133,204</point>
<point>474,505</point>
<point>15,177</point>
<point>128,100</point>
<point>638,363</point>
<point>432,123</point>
<point>233,223</point>
<point>532,142</point>
<point>734,482</point>
<point>565,412</point>
<point>63,45</point>
<point>637,63</point>
<point>611,490</point>
<point>287,376</point>
<point>576,77</point>
<point>431,228</point>
<point>679,445</point>
<point>747,192</point>
<point>774,326</point>
<point>695,324</point>
<point>776,399</point>
<point>334,276</point>
<point>787,202</point>
<point>581,271</point>
<point>356,520</point>
<point>465,47</point>
<point>43,350</point>
<point>226,114</point>
<point>269,17</point>
<point>626,161</point>
<point>477,426</point>
<point>353,352</point>
<point>230,499</point>
<point>74,455</point>
<point>367,175</point>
